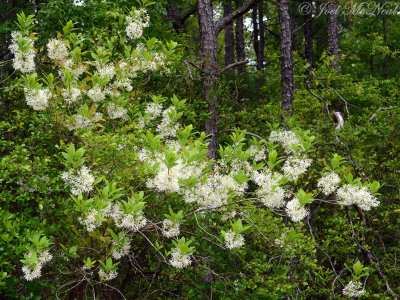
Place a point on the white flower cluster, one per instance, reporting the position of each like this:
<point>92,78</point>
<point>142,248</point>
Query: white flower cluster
<point>107,275</point>
<point>116,111</point>
<point>123,220</point>
<point>24,59</point>
<point>155,62</point>
<point>33,272</point>
<point>167,180</point>
<point>81,181</point>
<point>168,126</point>
<point>329,183</point>
<point>170,229</point>
<point>281,241</point>
<point>80,121</point>
<point>353,194</point>
<point>233,239</point>
<point>353,289</point>
<point>286,138</point>
<point>296,166</point>
<point>269,191</point>
<point>107,70</point>
<point>215,190</point>
<point>96,94</point>
<point>295,211</point>
<point>38,99</point>
<point>90,221</point>
<point>257,153</point>
<point>123,79</point>
<point>119,250</point>
<point>71,95</point>
<point>57,50</point>
<point>179,260</point>
<point>152,111</point>
<point>137,23</point>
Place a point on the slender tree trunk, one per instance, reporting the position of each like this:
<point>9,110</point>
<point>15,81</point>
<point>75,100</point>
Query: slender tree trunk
<point>260,56</point>
<point>209,74</point>
<point>333,33</point>
<point>287,85</point>
<point>308,34</point>
<point>239,31</point>
<point>209,44</point>
<point>229,37</point>
<point>255,32</point>
<point>385,62</point>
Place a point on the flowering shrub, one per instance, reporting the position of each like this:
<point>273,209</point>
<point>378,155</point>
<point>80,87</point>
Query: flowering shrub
<point>162,168</point>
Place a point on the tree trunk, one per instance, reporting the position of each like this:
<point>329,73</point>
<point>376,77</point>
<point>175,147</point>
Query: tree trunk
<point>175,14</point>
<point>239,31</point>
<point>286,55</point>
<point>255,32</point>
<point>209,43</point>
<point>333,34</point>
<point>308,35</point>
<point>229,37</point>
<point>261,45</point>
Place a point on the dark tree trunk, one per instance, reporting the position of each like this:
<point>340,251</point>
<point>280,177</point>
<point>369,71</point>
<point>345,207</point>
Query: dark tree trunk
<point>255,32</point>
<point>286,55</point>
<point>333,33</point>
<point>229,37</point>
<point>209,44</point>
<point>385,62</point>
<point>177,16</point>
<point>260,56</point>
<point>308,34</point>
<point>239,31</point>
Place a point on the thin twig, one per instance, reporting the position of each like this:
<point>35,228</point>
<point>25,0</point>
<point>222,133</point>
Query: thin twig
<point>379,109</point>
<point>190,70</point>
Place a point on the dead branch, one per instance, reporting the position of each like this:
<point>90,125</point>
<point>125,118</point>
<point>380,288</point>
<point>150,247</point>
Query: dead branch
<point>379,109</point>
<point>234,65</point>
<point>189,69</point>
<point>233,16</point>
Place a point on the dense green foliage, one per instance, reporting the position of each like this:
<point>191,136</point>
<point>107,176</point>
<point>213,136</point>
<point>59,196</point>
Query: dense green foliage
<point>314,258</point>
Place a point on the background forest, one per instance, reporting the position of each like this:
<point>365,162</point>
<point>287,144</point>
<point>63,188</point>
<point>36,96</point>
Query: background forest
<point>233,149</point>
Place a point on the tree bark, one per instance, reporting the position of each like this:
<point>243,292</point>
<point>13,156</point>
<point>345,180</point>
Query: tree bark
<point>239,32</point>
<point>287,85</point>
<point>333,33</point>
<point>308,34</point>
<point>260,56</point>
<point>209,74</point>
<point>229,37</point>
<point>176,15</point>
<point>209,44</point>
<point>255,32</point>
